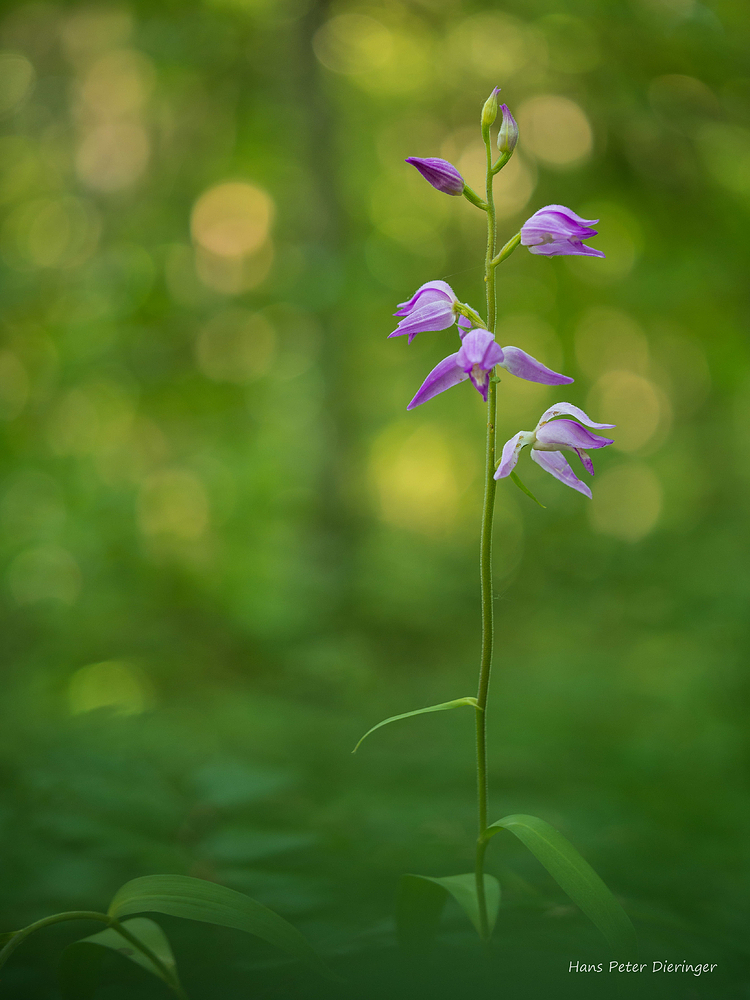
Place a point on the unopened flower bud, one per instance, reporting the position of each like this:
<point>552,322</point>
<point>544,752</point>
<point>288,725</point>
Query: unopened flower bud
<point>507,135</point>
<point>489,111</point>
<point>441,174</point>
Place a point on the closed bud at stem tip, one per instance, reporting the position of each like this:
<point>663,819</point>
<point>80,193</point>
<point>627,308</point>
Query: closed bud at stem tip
<point>507,135</point>
<point>489,111</point>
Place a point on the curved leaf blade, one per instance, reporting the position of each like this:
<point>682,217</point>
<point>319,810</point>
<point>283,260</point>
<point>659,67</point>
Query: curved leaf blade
<point>524,489</point>
<point>574,875</point>
<point>421,901</point>
<point>80,962</point>
<point>196,899</point>
<point>444,707</point>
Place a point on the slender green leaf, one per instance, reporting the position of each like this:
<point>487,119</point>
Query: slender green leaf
<point>574,875</point>
<point>525,489</point>
<point>80,962</point>
<point>6,936</point>
<point>195,899</point>
<point>421,900</point>
<point>458,703</point>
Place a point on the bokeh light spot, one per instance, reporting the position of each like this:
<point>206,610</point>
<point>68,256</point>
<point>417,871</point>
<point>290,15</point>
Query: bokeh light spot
<point>51,232</point>
<point>114,684</point>
<point>626,503</point>
<point>492,46</point>
<point>607,339</point>
<point>634,404</point>
<point>556,130</point>
<point>353,43</point>
<point>415,479</point>
<point>45,573</point>
<point>16,80</point>
<point>113,156</point>
<point>173,502</point>
<point>619,237</point>
<point>232,219</point>
<point>235,346</point>
<point>14,385</point>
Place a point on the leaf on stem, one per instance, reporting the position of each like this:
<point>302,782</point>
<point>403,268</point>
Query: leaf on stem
<point>422,898</point>
<point>196,899</point>
<point>79,965</point>
<point>526,490</point>
<point>6,936</point>
<point>458,703</point>
<point>574,875</point>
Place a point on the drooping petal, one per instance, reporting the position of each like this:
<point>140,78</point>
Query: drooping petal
<point>433,316</point>
<point>585,460</point>
<point>522,365</point>
<point>441,174</point>
<point>556,464</point>
<point>567,248</point>
<point>480,379</point>
<point>511,451</point>
<point>479,347</point>
<point>572,411</point>
<point>558,434</point>
<point>464,325</point>
<point>436,287</point>
<point>448,373</point>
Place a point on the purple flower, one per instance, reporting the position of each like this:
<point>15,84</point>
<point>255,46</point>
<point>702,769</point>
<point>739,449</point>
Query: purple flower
<point>548,439</point>
<point>431,307</point>
<point>478,355</point>
<point>557,230</point>
<point>441,174</point>
<point>522,365</point>
<point>507,134</point>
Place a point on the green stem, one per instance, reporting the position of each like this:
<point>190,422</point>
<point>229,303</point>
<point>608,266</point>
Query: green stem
<point>104,918</point>
<point>485,563</point>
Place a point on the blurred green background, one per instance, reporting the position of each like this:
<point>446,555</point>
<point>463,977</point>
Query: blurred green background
<point>227,550</point>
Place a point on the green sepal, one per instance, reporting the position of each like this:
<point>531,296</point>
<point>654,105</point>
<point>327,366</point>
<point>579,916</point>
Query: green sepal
<point>575,876</point>
<point>79,965</point>
<point>458,703</point>
<point>421,900</point>
<point>196,899</point>
<point>474,198</point>
<point>526,490</point>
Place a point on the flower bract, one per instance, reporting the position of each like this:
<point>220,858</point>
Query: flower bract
<point>557,230</point>
<point>548,440</point>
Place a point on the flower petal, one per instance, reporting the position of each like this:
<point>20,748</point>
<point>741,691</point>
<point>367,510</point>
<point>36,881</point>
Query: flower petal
<point>478,347</point>
<point>511,451</point>
<point>522,365</point>
<point>436,287</point>
<point>556,464</point>
<point>448,373</point>
<point>568,248</point>
<point>572,411</point>
<point>585,460</point>
<point>558,434</point>
<point>441,174</point>
<point>433,316</point>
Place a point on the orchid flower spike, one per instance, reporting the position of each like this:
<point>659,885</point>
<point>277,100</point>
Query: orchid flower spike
<point>431,307</point>
<point>441,174</point>
<point>557,230</point>
<point>475,360</point>
<point>548,439</point>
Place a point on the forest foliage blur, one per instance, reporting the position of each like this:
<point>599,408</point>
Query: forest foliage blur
<point>227,550</point>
